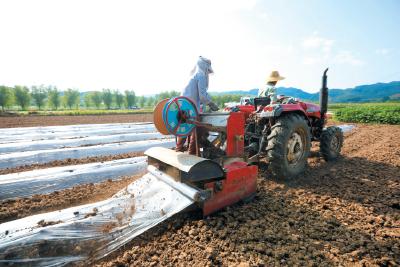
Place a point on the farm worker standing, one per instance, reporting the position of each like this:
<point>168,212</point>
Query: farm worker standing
<point>269,89</point>
<point>196,90</point>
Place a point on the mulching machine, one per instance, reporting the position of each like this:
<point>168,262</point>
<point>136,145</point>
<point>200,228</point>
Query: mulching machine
<point>219,175</point>
<point>280,132</point>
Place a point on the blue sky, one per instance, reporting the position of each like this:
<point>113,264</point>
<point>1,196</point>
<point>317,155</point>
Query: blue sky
<point>149,46</point>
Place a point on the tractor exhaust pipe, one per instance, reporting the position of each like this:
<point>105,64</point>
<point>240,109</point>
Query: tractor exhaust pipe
<point>323,95</point>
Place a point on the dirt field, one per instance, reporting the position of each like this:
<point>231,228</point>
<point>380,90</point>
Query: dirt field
<point>35,121</point>
<point>340,213</point>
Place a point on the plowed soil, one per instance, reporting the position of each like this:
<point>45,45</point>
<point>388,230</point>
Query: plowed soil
<point>35,121</point>
<point>340,213</point>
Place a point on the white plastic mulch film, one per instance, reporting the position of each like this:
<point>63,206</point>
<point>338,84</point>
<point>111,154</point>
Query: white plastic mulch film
<point>72,131</point>
<point>95,231</point>
<point>64,143</point>
<point>44,181</point>
<point>346,127</point>
<point>42,156</point>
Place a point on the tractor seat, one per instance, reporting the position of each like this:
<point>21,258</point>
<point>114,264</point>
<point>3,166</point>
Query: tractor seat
<point>261,101</point>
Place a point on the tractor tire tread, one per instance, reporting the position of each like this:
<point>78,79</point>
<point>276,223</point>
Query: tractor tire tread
<point>326,138</point>
<point>276,149</point>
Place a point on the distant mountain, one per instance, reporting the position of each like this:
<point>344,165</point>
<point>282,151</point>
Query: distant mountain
<point>359,94</point>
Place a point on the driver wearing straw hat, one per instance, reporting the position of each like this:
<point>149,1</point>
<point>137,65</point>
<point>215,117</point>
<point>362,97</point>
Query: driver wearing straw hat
<point>269,89</point>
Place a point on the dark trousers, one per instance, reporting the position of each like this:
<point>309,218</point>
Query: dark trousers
<point>191,142</point>
<point>203,142</point>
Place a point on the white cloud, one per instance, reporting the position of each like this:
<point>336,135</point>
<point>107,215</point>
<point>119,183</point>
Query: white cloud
<point>312,60</point>
<point>290,49</point>
<point>329,42</point>
<point>312,42</point>
<point>382,51</point>
<point>347,57</point>
<point>342,57</point>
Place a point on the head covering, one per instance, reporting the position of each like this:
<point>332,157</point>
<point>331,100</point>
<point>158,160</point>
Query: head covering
<point>203,66</point>
<point>274,77</point>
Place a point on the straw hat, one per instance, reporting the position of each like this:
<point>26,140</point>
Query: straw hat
<point>274,77</point>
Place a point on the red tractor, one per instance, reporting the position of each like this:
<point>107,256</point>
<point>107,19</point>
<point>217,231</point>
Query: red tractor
<point>282,132</point>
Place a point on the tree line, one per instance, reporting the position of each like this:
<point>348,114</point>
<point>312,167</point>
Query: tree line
<point>52,98</point>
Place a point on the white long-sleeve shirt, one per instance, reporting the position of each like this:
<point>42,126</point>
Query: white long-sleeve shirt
<point>196,90</point>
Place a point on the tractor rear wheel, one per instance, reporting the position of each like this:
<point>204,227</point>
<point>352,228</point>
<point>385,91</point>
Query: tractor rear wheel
<point>331,142</point>
<point>288,146</point>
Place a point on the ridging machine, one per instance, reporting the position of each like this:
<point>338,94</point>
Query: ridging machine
<point>219,174</point>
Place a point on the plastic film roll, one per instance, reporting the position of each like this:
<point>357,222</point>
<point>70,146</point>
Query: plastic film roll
<point>183,188</point>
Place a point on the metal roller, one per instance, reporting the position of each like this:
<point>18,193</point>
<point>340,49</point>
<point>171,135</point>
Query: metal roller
<point>183,188</point>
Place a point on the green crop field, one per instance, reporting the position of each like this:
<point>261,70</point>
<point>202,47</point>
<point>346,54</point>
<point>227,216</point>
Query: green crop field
<point>340,106</point>
<point>368,113</point>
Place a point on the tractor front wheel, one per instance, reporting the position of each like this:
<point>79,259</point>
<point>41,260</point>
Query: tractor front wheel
<point>288,146</point>
<point>331,142</point>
